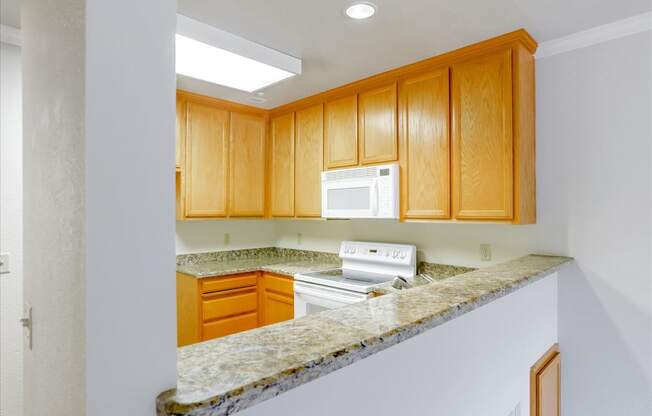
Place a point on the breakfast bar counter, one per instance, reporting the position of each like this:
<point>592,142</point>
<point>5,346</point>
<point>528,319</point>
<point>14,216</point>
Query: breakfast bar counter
<point>223,376</point>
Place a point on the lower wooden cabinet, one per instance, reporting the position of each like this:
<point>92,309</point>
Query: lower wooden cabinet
<point>213,307</point>
<point>545,377</point>
<point>276,298</point>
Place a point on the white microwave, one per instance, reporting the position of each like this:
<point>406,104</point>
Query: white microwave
<point>366,192</point>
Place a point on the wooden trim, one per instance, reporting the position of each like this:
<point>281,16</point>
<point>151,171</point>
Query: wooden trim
<point>520,36</point>
<point>542,363</point>
<point>223,104</point>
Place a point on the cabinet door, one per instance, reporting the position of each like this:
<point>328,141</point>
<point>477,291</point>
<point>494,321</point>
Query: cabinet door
<point>341,132</point>
<point>377,121</point>
<point>482,137</point>
<point>308,161</point>
<point>181,129</point>
<point>206,161</point>
<point>277,299</point>
<point>545,384</point>
<point>247,165</point>
<point>282,166</point>
<point>425,146</point>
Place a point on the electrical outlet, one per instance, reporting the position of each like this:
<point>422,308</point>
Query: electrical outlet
<point>4,263</point>
<point>227,239</point>
<point>299,238</point>
<point>485,252</point>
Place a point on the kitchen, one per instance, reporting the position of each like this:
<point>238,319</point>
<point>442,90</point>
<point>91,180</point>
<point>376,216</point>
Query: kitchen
<point>446,139</point>
<point>378,208</point>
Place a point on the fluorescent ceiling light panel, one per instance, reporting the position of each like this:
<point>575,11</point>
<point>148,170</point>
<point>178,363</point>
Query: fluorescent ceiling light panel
<point>210,54</point>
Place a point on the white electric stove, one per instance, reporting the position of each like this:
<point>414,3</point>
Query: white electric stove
<point>365,266</point>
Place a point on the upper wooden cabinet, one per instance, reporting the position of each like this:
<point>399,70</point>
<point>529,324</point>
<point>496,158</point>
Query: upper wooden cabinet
<point>377,124</point>
<point>247,165</point>
<point>181,131</point>
<point>483,155</point>
<point>341,132</point>
<point>281,172</point>
<point>425,146</point>
<point>460,125</point>
<point>206,161</point>
<point>308,161</point>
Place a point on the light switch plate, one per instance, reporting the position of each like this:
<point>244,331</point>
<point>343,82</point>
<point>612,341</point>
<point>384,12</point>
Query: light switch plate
<point>4,263</point>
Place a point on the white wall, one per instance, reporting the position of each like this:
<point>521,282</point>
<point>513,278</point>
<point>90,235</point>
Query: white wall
<point>477,364</point>
<point>130,111</point>
<point>457,244</point>
<point>11,231</point>
<point>203,236</point>
<point>594,151</point>
<point>53,215</point>
<point>99,94</point>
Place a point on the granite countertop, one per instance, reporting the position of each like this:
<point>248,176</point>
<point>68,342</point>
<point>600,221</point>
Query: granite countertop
<point>225,375</point>
<point>270,259</point>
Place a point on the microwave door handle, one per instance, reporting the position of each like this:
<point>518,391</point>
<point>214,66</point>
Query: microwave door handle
<point>374,197</point>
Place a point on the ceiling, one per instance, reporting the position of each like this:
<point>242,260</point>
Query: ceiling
<point>337,50</point>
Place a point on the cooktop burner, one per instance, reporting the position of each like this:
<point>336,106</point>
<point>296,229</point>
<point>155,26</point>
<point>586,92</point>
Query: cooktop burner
<point>355,280</point>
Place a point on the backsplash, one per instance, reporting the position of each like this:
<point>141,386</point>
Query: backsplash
<point>249,253</point>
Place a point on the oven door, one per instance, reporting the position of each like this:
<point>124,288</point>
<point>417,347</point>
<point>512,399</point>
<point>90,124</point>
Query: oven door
<point>350,199</point>
<point>310,298</point>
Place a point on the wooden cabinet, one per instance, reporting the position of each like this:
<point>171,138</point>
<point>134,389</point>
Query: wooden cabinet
<point>425,146</point>
<point>213,307</point>
<point>206,163</point>
<point>180,131</point>
<point>545,384</point>
<point>247,165</point>
<point>341,132</point>
<point>281,172</point>
<point>377,124</point>
<point>483,157</point>
<point>276,298</point>
<point>308,161</point>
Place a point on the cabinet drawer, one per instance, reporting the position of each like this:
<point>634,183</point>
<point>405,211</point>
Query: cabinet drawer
<point>229,325</point>
<point>279,284</point>
<point>227,303</point>
<point>216,284</point>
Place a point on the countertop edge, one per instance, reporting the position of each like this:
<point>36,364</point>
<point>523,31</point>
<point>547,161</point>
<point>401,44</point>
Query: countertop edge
<point>267,388</point>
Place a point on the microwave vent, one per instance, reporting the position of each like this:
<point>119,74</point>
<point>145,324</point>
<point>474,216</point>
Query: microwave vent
<point>337,175</point>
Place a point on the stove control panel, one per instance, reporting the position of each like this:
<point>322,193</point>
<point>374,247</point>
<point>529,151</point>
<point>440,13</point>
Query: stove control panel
<point>374,256</point>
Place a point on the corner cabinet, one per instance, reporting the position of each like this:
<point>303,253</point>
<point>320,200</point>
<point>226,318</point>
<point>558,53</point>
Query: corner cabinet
<point>213,307</point>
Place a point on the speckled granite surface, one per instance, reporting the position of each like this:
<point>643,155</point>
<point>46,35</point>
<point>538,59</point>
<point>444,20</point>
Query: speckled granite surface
<point>270,259</point>
<point>223,376</point>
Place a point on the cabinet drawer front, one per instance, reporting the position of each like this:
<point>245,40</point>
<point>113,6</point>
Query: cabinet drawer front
<point>229,325</point>
<point>228,303</point>
<point>284,285</point>
<point>226,283</point>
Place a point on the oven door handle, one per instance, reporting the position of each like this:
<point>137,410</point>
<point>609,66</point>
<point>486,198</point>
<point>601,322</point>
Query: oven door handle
<point>326,293</point>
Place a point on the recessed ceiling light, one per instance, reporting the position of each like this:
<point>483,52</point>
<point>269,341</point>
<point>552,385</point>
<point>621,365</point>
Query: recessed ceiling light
<point>210,54</point>
<point>361,10</point>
